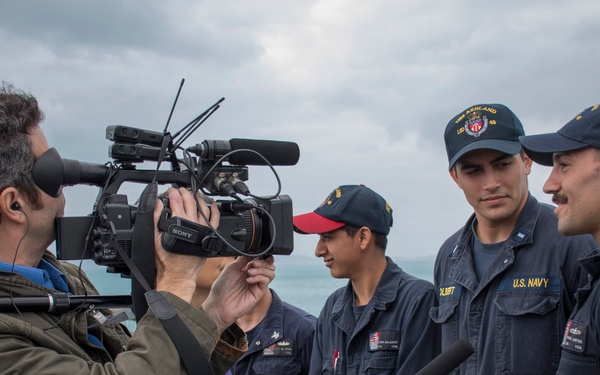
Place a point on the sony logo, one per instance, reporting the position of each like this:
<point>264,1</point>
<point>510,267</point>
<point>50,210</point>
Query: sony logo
<point>181,233</point>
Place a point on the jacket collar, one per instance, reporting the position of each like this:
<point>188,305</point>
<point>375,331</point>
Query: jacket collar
<point>591,263</point>
<point>23,284</point>
<point>385,292</point>
<point>521,234</point>
<point>270,329</point>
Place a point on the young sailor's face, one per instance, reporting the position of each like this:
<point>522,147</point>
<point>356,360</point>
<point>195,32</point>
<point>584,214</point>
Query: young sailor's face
<point>494,184</point>
<point>340,252</point>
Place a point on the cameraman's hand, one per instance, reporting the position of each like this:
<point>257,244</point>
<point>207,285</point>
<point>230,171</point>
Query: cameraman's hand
<point>239,287</point>
<point>176,273</point>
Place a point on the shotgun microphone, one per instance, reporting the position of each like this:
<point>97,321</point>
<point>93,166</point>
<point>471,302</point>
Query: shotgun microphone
<point>275,152</point>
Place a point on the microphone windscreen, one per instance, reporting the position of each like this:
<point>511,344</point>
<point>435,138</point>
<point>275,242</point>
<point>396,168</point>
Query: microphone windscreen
<point>449,359</point>
<point>276,152</point>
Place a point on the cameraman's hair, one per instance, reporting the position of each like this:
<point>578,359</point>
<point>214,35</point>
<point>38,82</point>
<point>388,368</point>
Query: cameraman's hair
<point>19,112</point>
<point>381,239</point>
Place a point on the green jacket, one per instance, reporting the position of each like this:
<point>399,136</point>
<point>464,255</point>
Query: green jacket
<point>45,343</point>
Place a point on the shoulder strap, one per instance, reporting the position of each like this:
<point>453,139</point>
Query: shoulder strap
<point>192,354</point>
<point>190,350</point>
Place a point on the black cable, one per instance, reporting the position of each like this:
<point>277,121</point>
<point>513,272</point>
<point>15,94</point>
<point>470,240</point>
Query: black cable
<point>270,218</point>
<point>12,269</point>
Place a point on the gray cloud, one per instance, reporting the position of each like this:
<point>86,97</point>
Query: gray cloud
<point>365,88</point>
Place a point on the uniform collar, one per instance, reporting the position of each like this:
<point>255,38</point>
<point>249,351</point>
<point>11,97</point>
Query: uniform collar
<point>522,232</point>
<point>385,292</point>
<point>270,329</point>
<point>591,263</point>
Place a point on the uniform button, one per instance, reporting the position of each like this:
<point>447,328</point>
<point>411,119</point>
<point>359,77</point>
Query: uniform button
<point>505,261</point>
<point>257,343</point>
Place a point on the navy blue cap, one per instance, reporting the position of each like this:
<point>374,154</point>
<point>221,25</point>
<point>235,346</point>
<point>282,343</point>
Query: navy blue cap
<point>582,131</point>
<point>483,126</point>
<point>354,205</point>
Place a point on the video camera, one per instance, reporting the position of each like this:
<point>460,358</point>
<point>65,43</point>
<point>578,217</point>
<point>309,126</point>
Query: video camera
<point>253,226</point>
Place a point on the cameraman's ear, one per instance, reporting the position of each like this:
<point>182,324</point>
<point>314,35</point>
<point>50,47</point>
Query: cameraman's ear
<point>10,206</point>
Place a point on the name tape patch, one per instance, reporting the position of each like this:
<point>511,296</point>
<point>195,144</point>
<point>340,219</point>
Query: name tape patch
<point>282,348</point>
<point>450,291</point>
<point>534,282</point>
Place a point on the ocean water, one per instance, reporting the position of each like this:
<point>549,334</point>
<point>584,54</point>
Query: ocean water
<point>305,281</point>
<point>302,281</point>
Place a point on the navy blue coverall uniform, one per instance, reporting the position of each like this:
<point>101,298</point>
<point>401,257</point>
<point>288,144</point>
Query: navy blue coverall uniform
<point>581,342</point>
<point>280,344</point>
<point>516,314</point>
<point>394,334</point>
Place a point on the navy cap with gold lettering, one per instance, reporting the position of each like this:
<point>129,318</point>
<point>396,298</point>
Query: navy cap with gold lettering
<point>582,131</point>
<point>483,126</point>
<point>354,205</point>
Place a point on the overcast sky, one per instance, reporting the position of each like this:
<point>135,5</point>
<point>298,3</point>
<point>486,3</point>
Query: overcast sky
<point>364,87</point>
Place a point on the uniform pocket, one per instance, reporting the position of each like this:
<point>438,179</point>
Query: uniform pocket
<point>276,365</point>
<point>578,364</point>
<point>527,332</point>
<point>327,366</point>
<point>384,362</point>
<point>446,314</point>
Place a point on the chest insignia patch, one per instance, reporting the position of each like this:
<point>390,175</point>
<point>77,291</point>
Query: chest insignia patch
<point>384,340</point>
<point>575,336</point>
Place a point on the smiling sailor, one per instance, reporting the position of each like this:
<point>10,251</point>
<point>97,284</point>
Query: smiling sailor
<point>506,279</point>
<point>574,154</point>
<point>378,323</point>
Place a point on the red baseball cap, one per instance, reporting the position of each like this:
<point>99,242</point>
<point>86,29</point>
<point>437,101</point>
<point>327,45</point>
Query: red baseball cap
<point>354,205</point>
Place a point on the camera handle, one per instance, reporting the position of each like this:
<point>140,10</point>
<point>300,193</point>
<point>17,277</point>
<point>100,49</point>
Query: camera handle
<point>182,236</point>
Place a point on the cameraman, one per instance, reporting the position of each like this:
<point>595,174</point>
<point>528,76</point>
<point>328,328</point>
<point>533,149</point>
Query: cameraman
<point>40,342</point>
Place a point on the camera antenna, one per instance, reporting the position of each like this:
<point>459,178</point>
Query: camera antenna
<point>174,104</point>
<point>195,124</point>
<point>167,138</point>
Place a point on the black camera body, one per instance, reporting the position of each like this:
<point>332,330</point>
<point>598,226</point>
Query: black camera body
<point>247,230</point>
<point>254,226</point>
<point>244,228</point>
